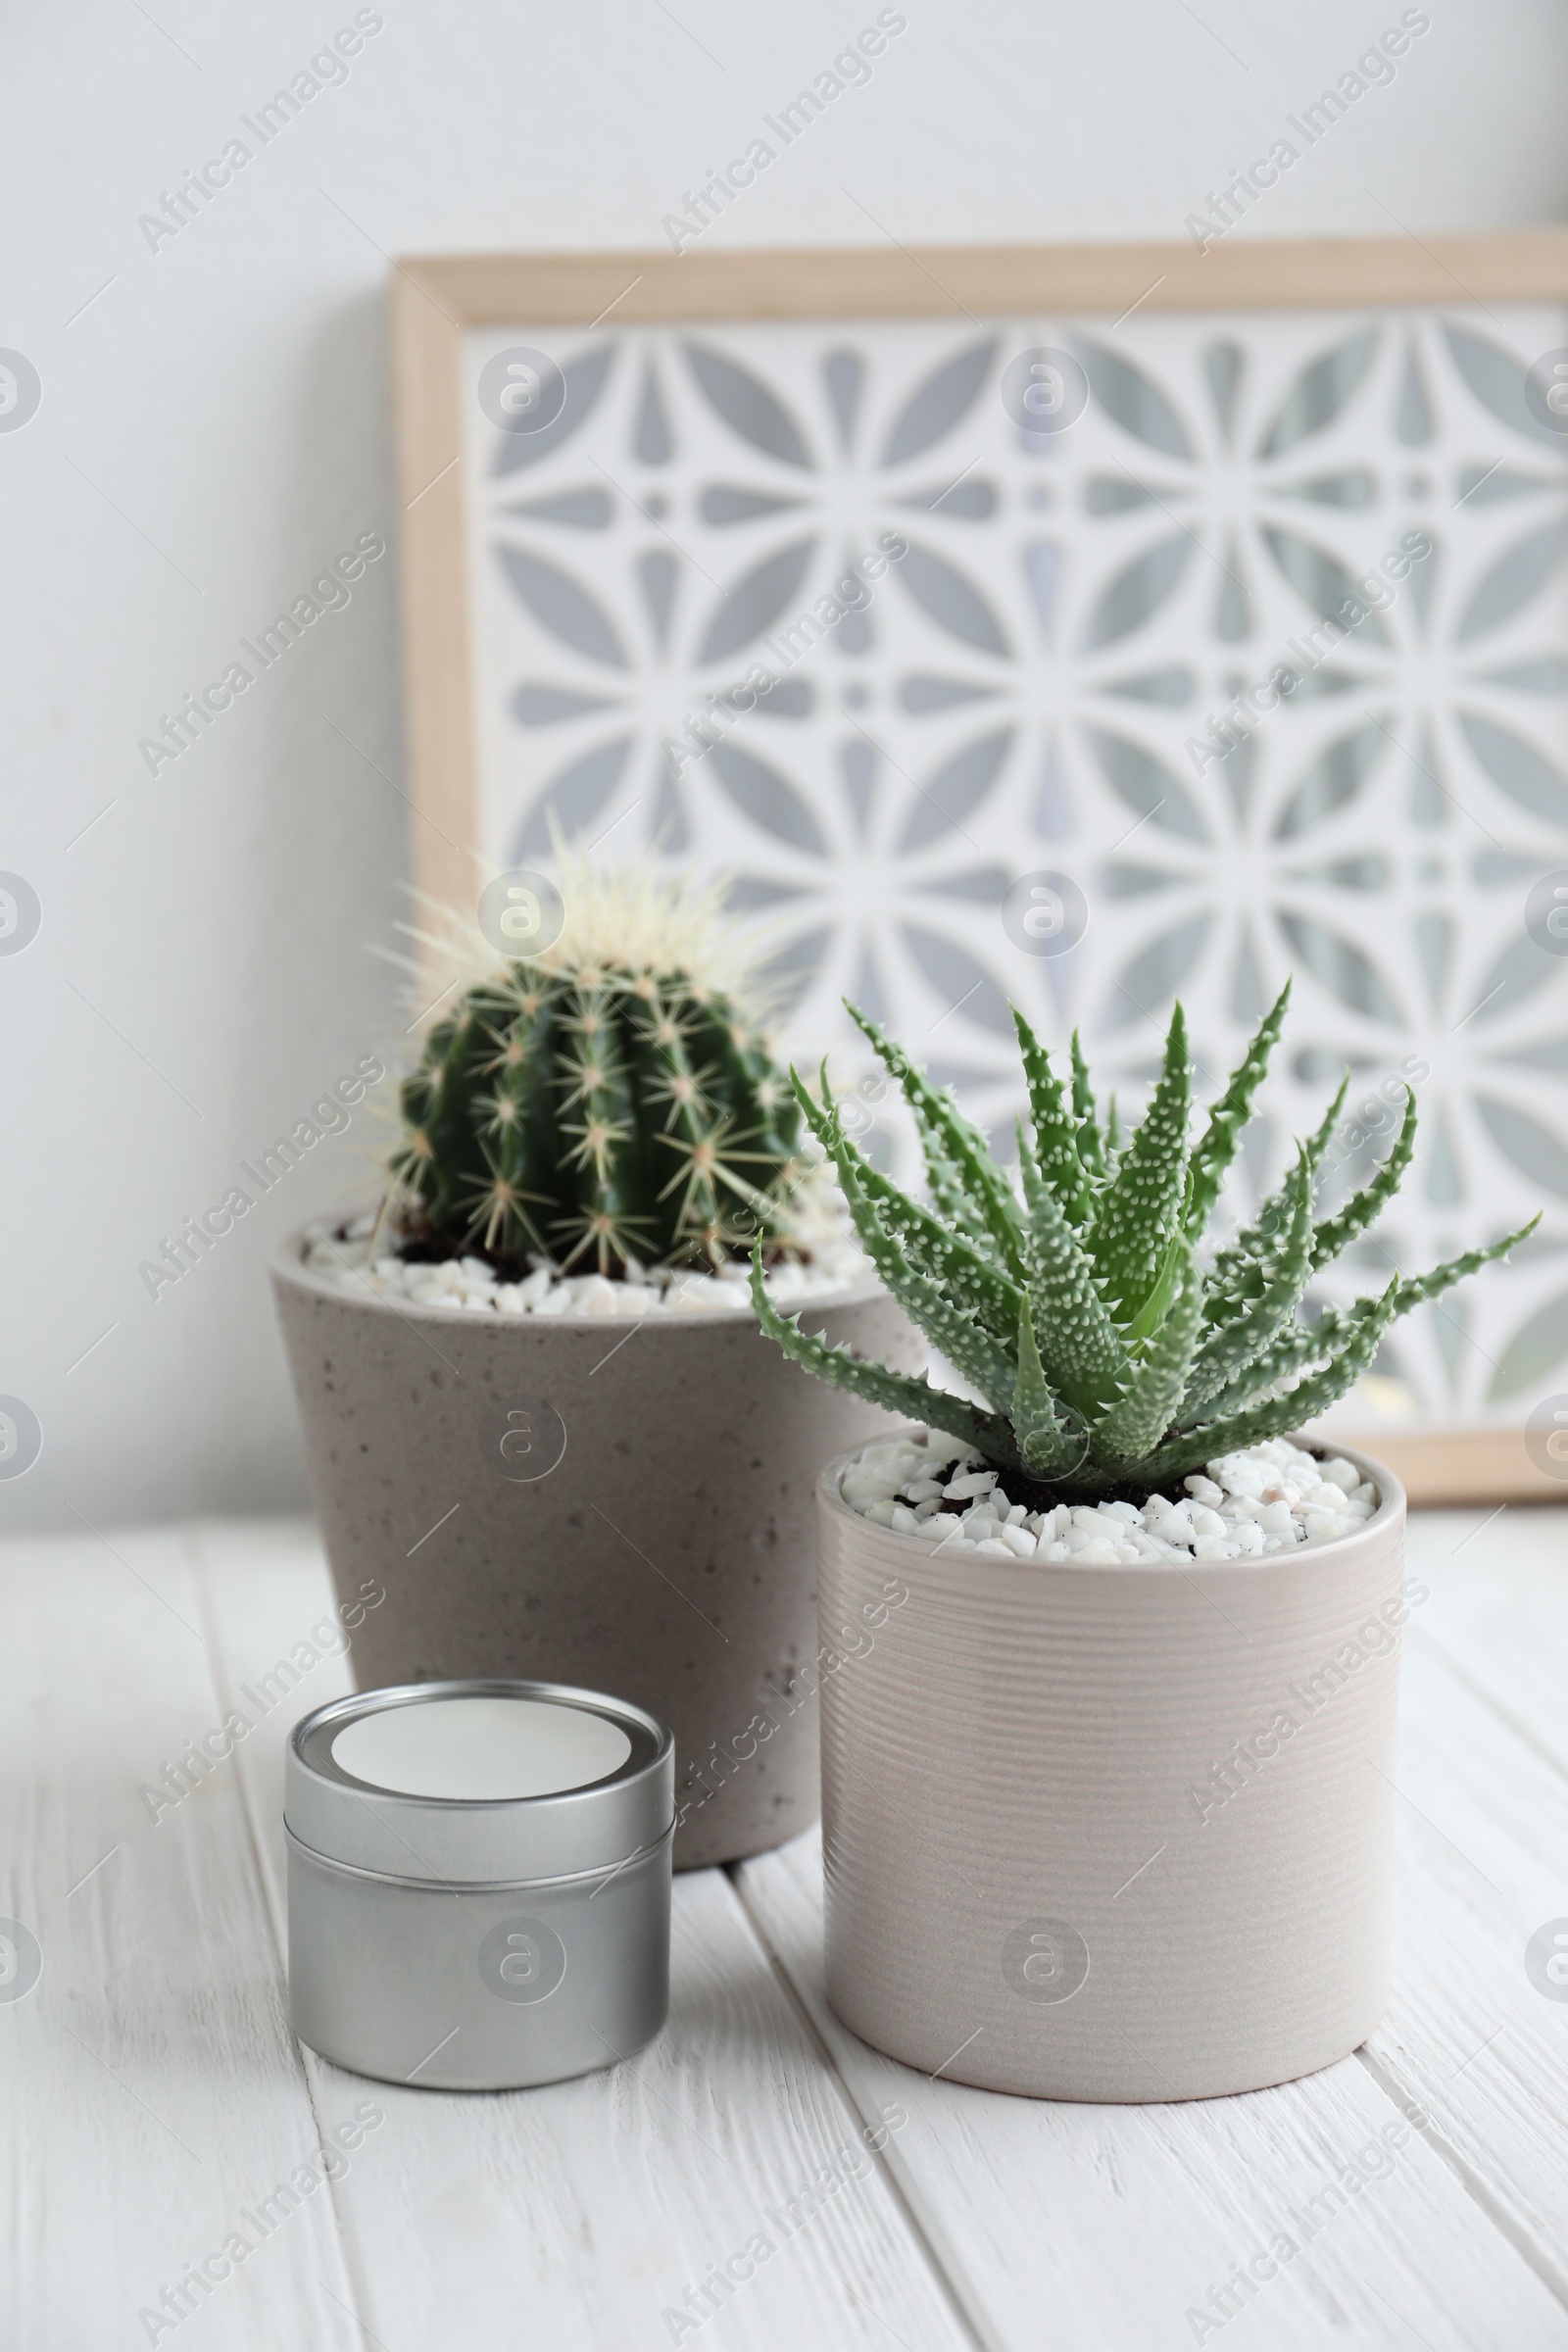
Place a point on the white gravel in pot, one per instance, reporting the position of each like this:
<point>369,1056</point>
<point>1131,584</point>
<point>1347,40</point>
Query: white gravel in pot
<point>1266,1498</point>
<point>344,1256</point>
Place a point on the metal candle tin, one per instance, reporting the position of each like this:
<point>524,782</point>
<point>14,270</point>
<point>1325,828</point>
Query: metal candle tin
<point>478,1941</point>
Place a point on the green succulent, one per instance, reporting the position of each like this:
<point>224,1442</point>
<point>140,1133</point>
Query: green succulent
<point>1110,1357</point>
<point>592,1108</point>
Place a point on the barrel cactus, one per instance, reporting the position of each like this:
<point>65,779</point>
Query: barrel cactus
<point>594,1107</point>
<point>1110,1354</point>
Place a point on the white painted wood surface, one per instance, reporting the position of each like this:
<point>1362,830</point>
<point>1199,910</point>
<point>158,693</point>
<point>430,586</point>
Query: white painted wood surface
<point>154,2093</point>
<point>152,2088</point>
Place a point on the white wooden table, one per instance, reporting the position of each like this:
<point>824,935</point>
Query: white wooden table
<point>153,2092</point>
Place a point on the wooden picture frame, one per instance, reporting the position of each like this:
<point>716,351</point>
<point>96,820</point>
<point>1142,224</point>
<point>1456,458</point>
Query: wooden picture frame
<point>438,300</point>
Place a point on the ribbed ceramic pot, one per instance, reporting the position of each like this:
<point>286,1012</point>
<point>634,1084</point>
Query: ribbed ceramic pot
<point>627,1506</point>
<point>1110,1833</point>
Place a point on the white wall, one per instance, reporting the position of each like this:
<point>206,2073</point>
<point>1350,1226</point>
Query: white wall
<point>213,429</point>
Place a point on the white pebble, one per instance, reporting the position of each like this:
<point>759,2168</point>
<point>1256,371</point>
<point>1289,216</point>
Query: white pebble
<point>972,1482</point>
<point>596,1296</point>
<point>468,1282</point>
<point>1265,1501</point>
<point>695,1296</point>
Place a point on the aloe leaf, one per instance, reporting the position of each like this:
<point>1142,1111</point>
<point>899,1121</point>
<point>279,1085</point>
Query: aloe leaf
<point>1365,1323</point>
<point>1237,1271</point>
<point>944,1184</point>
<point>1293,1350</point>
<point>1323,1133</point>
<point>1055,1137</point>
<point>944,1180</point>
<point>1414,1289</point>
<point>1231,1345</point>
<point>1084,1356</point>
<point>1151,1314</point>
<point>955,1330</point>
<point>1046,1444</point>
<point>1216,1149</point>
<point>1139,1207</point>
<point>1137,1421</point>
<point>1335,1233</point>
<point>1308,1343</point>
<point>1091,1144</point>
<point>895,1392</point>
<point>943,1257</point>
<point>955,1144</point>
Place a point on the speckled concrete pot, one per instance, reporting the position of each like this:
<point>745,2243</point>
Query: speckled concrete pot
<point>1111,1833</point>
<point>626,1506</point>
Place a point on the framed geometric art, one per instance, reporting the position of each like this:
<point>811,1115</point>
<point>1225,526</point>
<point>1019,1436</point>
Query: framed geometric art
<point>1081,626</point>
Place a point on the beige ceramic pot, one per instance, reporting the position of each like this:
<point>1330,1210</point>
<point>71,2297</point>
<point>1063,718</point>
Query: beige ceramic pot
<point>626,1506</point>
<point>1110,1833</point>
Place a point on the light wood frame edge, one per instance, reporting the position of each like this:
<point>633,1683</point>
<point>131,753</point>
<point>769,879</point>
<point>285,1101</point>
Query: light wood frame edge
<point>1453,1466</point>
<point>437,298</point>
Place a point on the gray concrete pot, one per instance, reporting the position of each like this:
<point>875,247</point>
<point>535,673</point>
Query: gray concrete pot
<point>1110,1833</point>
<point>627,1506</point>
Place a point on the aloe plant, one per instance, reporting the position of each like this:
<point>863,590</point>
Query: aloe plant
<point>1111,1354</point>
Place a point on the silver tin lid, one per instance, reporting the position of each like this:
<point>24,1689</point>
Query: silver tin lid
<point>467,1840</point>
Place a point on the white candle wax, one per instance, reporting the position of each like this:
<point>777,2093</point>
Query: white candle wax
<point>480,1748</point>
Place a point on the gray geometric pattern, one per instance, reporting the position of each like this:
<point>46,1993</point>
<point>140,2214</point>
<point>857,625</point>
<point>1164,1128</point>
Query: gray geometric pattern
<point>1020,693</point>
